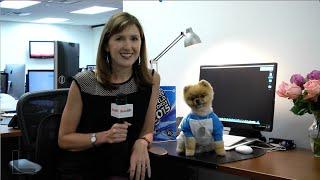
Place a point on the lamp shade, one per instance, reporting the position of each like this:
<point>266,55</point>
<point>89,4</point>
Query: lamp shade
<point>191,38</point>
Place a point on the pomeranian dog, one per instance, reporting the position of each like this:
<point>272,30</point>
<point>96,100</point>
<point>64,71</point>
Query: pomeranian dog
<point>201,130</point>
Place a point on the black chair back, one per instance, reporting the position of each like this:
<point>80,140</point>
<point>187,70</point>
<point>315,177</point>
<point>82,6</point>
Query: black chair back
<point>47,149</point>
<point>32,108</point>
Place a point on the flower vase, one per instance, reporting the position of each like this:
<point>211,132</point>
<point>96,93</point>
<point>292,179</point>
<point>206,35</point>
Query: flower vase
<point>314,134</point>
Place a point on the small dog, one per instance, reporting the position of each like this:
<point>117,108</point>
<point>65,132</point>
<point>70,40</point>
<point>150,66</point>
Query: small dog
<point>201,130</point>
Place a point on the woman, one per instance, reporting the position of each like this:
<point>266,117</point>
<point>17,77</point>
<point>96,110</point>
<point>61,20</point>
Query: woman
<point>112,145</point>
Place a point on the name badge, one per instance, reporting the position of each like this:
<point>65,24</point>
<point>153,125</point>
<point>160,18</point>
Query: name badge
<point>121,111</point>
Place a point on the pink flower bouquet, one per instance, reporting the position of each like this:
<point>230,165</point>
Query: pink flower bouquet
<point>303,91</point>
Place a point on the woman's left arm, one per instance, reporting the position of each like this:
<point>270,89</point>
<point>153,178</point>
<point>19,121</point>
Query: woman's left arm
<point>139,161</point>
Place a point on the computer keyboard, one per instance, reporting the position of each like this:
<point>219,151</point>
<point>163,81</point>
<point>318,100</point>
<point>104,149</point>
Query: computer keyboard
<point>4,121</point>
<point>232,141</point>
<point>5,118</point>
<point>246,141</point>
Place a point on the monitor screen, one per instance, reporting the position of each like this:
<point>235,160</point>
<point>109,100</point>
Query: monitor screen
<point>91,67</point>
<point>41,49</point>
<point>243,94</point>
<point>16,79</point>
<point>39,80</point>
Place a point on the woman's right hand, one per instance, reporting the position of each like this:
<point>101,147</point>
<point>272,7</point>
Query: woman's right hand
<point>117,133</point>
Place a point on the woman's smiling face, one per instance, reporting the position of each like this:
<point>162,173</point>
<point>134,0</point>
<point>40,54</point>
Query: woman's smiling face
<point>124,47</point>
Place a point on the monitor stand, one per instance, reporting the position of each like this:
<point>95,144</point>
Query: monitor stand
<point>249,133</point>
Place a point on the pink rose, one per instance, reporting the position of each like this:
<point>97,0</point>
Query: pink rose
<point>282,89</point>
<point>312,87</point>
<point>293,91</point>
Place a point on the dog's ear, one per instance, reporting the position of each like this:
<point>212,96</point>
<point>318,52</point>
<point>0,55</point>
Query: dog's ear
<point>186,88</point>
<point>204,83</point>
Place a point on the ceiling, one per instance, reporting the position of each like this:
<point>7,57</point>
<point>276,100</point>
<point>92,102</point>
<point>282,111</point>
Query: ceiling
<point>61,9</point>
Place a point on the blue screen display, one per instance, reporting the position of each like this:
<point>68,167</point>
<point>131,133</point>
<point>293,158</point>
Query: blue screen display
<point>41,80</point>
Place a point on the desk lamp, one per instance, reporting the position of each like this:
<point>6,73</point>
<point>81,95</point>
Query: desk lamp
<point>190,39</point>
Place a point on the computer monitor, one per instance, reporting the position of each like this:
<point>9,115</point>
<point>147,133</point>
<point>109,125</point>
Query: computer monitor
<point>243,96</point>
<point>41,49</point>
<point>91,67</point>
<point>39,80</point>
<point>16,73</point>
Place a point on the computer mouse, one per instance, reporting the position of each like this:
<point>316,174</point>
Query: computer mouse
<point>244,149</point>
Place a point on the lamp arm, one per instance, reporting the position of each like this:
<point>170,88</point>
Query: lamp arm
<point>168,47</point>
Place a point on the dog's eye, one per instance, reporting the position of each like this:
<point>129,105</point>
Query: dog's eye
<point>192,98</point>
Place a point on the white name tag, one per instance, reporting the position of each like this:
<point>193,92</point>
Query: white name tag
<point>121,111</point>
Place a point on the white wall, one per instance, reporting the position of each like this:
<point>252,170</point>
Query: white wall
<point>96,39</point>
<point>15,42</point>
<point>286,32</point>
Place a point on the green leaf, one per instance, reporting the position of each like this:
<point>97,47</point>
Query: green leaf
<point>298,110</point>
<point>301,106</point>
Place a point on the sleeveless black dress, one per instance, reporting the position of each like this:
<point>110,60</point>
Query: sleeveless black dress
<point>107,159</point>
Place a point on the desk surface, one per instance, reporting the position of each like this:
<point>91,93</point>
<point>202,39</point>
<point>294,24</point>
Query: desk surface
<point>293,164</point>
<point>6,131</point>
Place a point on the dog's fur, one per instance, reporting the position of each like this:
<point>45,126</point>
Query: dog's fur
<point>201,130</point>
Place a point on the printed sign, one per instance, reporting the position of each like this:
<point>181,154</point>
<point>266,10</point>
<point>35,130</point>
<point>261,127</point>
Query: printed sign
<point>165,125</point>
<point>121,111</point>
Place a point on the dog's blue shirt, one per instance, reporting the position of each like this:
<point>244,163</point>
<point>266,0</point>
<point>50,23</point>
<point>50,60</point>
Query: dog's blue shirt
<point>203,128</point>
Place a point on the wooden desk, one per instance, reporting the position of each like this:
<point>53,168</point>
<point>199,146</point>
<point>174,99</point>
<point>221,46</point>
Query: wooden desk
<point>9,139</point>
<point>294,164</point>
<point>6,132</point>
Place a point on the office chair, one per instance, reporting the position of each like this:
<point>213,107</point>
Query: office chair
<point>39,115</point>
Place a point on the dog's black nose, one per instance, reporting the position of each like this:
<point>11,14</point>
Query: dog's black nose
<point>198,101</point>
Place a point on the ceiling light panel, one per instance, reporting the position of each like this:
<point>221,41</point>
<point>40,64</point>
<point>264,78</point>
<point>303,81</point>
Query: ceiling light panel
<point>17,4</point>
<point>94,10</point>
<point>64,1</point>
<point>50,20</point>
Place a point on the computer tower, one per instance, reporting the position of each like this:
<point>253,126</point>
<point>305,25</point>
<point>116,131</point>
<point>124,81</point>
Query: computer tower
<point>66,63</point>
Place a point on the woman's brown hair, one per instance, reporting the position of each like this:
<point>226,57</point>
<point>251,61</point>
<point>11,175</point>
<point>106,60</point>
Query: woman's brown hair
<point>117,23</point>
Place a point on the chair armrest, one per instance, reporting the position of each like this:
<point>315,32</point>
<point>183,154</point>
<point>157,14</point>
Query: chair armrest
<point>24,166</point>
